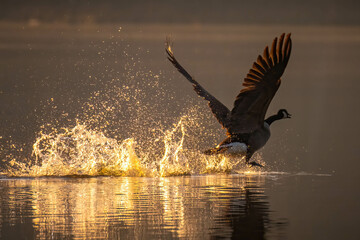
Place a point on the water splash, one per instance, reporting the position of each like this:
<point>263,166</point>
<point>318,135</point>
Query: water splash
<point>130,127</point>
<point>81,151</point>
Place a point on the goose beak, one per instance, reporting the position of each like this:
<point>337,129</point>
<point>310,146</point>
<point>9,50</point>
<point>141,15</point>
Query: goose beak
<point>289,115</point>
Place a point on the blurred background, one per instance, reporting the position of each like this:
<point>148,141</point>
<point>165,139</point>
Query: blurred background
<point>319,12</point>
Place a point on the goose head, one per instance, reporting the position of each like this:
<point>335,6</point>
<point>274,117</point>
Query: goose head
<point>283,113</point>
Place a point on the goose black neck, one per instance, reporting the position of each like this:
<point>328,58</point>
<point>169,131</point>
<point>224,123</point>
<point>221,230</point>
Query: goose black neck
<point>273,118</point>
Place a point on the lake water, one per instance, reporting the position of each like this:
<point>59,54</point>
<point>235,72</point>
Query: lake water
<point>242,206</point>
<point>102,138</point>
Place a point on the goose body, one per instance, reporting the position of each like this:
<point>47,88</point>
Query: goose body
<point>238,145</point>
<point>247,128</point>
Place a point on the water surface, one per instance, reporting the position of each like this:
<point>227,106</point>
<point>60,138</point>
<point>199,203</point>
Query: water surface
<point>236,206</point>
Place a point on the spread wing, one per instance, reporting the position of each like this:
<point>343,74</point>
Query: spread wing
<point>260,86</point>
<point>220,111</point>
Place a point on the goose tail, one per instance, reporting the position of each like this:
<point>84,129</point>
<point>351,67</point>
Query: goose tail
<point>214,151</point>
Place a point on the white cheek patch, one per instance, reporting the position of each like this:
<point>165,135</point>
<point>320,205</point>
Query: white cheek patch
<point>285,115</point>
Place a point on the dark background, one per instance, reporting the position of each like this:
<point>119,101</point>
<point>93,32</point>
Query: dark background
<point>172,11</point>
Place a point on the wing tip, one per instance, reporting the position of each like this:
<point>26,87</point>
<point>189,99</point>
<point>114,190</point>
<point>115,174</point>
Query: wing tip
<point>278,55</point>
<point>168,45</point>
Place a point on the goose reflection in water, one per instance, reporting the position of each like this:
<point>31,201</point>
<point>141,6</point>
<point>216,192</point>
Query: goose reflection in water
<point>195,207</point>
<point>249,217</point>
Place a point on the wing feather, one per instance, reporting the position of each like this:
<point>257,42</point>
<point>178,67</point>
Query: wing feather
<point>259,68</point>
<point>220,111</point>
<point>253,71</point>
<point>263,63</point>
<point>260,86</point>
<point>253,77</point>
<point>267,57</point>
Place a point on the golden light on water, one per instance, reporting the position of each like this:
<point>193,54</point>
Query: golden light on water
<point>92,207</point>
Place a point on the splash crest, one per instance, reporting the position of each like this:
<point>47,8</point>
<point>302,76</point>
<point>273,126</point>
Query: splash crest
<point>81,151</point>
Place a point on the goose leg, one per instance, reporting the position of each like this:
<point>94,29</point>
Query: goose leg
<point>253,163</point>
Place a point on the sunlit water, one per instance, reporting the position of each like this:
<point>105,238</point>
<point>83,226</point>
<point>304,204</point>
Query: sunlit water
<point>99,141</point>
<point>193,207</point>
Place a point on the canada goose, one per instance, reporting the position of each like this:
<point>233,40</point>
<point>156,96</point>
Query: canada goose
<point>247,128</point>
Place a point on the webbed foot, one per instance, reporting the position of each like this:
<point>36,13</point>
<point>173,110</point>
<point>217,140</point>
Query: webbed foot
<point>254,164</point>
